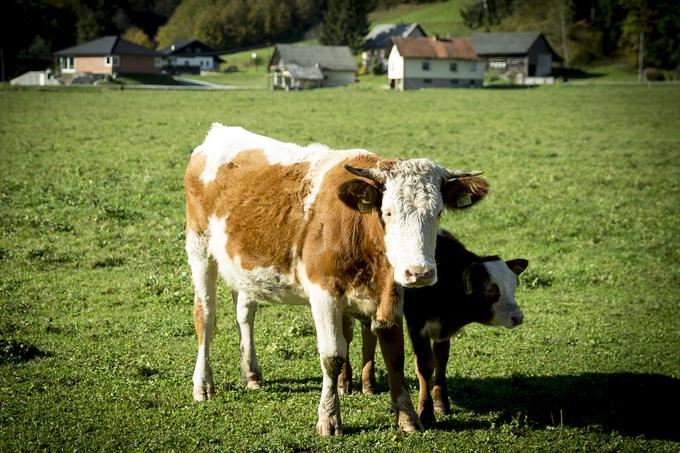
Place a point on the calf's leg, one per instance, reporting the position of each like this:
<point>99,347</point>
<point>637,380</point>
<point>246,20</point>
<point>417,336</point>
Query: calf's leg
<point>204,276</point>
<point>424,368</point>
<point>440,391</point>
<point>245,318</point>
<point>392,347</point>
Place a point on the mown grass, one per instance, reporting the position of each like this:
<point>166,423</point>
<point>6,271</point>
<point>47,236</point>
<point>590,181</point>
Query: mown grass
<point>96,337</point>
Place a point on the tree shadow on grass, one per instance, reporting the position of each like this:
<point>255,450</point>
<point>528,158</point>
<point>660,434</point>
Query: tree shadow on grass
<point>631,404</point>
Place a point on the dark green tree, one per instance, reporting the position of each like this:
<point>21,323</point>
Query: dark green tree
<point>345,22</point>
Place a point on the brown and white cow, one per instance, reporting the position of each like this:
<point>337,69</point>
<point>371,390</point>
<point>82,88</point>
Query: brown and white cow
<point>341,230</point>
<point>470,289</point>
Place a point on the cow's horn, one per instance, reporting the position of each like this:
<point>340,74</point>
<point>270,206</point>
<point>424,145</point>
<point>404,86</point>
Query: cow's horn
<point>455,174</point>
<point>370,173</point>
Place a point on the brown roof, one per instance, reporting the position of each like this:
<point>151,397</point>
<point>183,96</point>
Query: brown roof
<point>436,48</point>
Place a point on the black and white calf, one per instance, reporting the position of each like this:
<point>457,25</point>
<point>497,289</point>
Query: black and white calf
<point>470,289</point>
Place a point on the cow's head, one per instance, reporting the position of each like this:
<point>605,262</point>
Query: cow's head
<point>410,196</point>
<point>491,286</point>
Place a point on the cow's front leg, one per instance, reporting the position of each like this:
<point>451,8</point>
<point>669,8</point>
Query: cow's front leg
<point>332,351</point>
<point>368,343</point>
<point>345,377</point>
<point>440,391</point>
<point>245,318</point>
<point>204,276</point>
<point>392,347</point>
<point>424,369</point>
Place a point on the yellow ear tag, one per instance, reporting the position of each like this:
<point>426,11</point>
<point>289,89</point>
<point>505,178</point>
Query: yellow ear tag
<point>463,200</point>
<point>467,283</point>
<point>364,206</point>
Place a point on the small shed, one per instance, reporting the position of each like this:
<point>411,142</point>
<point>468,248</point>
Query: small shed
<point>108,55</point>
<point>378,41</point>
<point>434,63</point>
<point>298,67</point>
<point>523,54</point>
<point>190,56</point>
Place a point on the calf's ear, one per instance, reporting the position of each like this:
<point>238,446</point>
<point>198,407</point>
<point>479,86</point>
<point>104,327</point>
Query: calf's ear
<point>517,266</point>
<point>359,196</point>
<point>464,192</point>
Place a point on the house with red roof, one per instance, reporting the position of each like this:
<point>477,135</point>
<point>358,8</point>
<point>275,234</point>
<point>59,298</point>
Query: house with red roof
<point>433,62</point>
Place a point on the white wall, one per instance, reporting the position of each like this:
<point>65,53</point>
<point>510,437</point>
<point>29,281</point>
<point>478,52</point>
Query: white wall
<point>440,69</point>
<point>395,65</point>
<point>337,78</point>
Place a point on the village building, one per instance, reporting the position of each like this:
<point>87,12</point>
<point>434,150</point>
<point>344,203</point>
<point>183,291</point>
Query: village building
<point>434,63</point>
<point>299,67</point>
<point>189,56</point>
<point>108,55</point>
<point>525,57</point>
<point>378,42</point>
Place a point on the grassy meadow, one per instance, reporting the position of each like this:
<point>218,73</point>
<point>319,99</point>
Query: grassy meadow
<point>97,343</point>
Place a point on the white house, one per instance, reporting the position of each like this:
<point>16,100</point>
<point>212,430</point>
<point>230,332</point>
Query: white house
<point>434,63</point>
<point>190,56</point>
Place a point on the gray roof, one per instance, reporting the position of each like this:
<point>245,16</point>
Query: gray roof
<point>337,58</point>
<point>504,43</point>
<point>381,35</point>
<point>106,45</point>
<point>304,73</point>
<point>196,47</point>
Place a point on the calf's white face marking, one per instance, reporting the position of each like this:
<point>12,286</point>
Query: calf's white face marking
<point>411,206</point>
<point>505,311</point>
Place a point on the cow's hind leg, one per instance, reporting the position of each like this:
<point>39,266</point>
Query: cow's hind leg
<point>332,351</point>
<point>245,318</point>
<point>369,342</point>
<point>345,377</point>
<point>204,276</point>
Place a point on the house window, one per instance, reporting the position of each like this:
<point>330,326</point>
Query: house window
<point>497,64</point>
<point>112,60</point>
<point>426,65</point>
<point>473,67</point>
<point>454,81</point>
<point>427,80</point>
<point>66,63</point>
<point>453,67</point>
<point>158,62</point>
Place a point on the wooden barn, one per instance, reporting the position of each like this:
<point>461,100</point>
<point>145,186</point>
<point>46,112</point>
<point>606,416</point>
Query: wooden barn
<point>523,55</point>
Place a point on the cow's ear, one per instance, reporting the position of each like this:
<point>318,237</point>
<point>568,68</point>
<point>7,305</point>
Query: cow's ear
<point>517,266</point>
<point>463,192</point>
<point>360,195</point>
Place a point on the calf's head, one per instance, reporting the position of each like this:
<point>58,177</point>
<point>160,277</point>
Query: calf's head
<point>491,285</point>
<point>410,196</point>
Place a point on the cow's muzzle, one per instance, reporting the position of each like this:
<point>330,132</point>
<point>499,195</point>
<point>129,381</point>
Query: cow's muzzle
<point>418,276</point>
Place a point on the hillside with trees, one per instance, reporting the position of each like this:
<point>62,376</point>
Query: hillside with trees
<point>584,31</point>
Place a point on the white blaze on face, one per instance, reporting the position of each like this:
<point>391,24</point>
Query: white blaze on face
<point>411,207</point>
<point>506,312</point>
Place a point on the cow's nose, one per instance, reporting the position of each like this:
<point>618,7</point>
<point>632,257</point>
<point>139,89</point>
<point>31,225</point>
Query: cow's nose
<point>420,275</point>
<point>517,319</point>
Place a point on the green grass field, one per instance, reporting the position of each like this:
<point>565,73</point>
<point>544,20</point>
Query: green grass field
<point>97,344</point>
